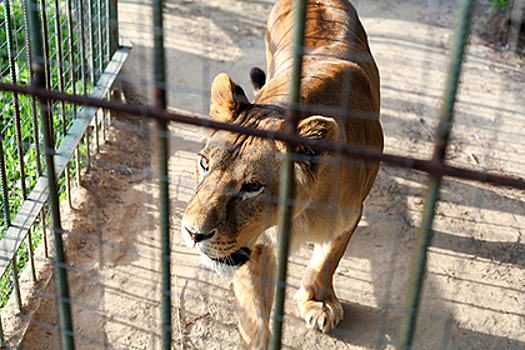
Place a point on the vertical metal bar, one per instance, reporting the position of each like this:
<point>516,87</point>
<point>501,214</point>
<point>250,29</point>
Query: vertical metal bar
<point>516,19</point>
<point>77,166</point>
<point>113,27</point>
<point>2,339</point>
<point>461,33</point>
<point>112,43</point>
<point>88,148</point>
<point>29,59</point>
<point>97,132</point>
<point>16,107</point>
<point>73,79</point>
<point>16,282</point>
<point>44,233</point>
<point>31,254</point>
<point>162,149</point>
<point>287,184</point>
<point>83,66</point>
<point>47,67</point>
<point>60,266</point>
<point>62,88</point>
<point>98,23</point>
<point>72,65</point>
<point>107,31</point>
<point>100,36</point>
<point>5,188</point>
<point>7,216</point>
<point>83,61</point>
<point>92,41</point>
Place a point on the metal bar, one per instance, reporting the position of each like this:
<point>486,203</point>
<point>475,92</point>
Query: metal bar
<point>92,40</point>
<point>44,232</point>
<point>4,187</point>
<point>61,87</point>
<point>60,266</point>
<point>16,282</point>
<point>88,148</point>
<point>424,165</point>
<point>47,66</point>
<point>34,118</point>
<point>415,287</point>
<point>16,107</point>
<point>287,182</point>
<point>161,139</point>
<point>100,36</point>
<point>83,63</point>
<point>107,31</point>
<point>516,20</point>
<point>73,79</point>
<point>31,254</point>
<point>2,338</point>
<point>113,26</point>
<point>97,133</point>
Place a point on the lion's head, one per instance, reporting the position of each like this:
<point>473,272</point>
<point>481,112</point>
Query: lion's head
<point>237,177</point>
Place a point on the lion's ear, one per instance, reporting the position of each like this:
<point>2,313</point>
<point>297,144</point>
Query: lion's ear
<point>316,128</point>
<point>319,128</point>
<point>227,99</point>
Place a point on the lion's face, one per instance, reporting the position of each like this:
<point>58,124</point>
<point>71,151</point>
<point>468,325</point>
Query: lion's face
<point>237,178</point>
<point>234,201</point>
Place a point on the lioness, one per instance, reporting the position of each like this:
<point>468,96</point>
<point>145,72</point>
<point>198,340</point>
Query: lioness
<point>232,216</point>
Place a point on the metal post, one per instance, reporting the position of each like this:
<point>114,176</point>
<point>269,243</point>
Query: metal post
<point>83,66</point>
<point>287,185</point>
<point>16,282</point>
<point>100,26</point>
<point>91,16</point>
<point>113,27</point>
<point>4,187</point>
<point>443,133</point>
<point>44,233</point>
<point>18,124</point>
<point>2,339</point>
<point>47,66</point>
<point>61,87</point>
<point>73,80</point>
<point>162,149</point>
<point>83,63</point>
<point>34,118</point>
<point>60,266</point>
<point>31,254</point>
<point>516,19</point>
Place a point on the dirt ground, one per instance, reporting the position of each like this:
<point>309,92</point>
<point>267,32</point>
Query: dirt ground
<point>474,295</point>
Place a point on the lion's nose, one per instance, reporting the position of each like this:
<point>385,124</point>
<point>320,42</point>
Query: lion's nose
<point>199,237</point>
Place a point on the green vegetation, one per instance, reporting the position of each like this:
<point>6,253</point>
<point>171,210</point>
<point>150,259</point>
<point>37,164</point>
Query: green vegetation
<point>499,4</point>
<point>29,122</point>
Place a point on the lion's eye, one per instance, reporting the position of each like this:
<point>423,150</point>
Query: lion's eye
<point>203,163</point>
<point>251,186</point>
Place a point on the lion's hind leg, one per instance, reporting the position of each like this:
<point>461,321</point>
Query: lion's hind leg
<point>318,304</point>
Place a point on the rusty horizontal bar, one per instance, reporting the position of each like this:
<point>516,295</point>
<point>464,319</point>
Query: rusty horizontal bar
<point>427,166</point>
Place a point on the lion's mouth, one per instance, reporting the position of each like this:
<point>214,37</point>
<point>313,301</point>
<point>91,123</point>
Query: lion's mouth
<point>234,259</point>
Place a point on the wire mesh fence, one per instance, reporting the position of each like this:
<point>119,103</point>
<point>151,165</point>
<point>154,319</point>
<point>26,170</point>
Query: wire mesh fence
<point>64,49</point>
<point>126,293</point>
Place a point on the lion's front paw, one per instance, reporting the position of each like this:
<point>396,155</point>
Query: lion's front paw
<point>322,315</point>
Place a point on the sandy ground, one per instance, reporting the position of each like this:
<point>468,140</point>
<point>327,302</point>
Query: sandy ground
<point>474,296</point>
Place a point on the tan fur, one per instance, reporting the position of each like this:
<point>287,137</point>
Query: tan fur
<point>234,206</point>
